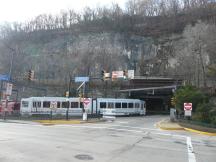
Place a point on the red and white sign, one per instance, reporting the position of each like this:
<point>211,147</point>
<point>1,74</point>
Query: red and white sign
<point>187,106</point>
<point>86,101</point>
<point>117,74</point>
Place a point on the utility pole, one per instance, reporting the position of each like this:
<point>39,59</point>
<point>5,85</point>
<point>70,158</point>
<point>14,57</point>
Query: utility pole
<point>83,95</point>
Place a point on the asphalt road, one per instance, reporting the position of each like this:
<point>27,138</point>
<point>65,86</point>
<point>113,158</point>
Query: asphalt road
<point>127,139</point>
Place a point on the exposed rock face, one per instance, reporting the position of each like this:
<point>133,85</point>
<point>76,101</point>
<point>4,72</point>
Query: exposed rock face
<point>54,56</point>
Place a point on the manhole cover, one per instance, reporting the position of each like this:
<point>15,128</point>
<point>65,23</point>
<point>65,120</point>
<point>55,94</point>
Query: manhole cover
<point>83,157</point>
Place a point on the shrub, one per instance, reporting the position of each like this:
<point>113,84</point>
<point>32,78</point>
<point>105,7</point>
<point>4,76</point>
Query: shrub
<point>189,94</point>
<point>203,112</point>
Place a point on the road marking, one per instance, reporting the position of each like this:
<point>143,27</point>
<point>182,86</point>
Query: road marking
<point>191,155</point>
<point>123,122</point>
<point>127,130</point>
<point>115,125</point>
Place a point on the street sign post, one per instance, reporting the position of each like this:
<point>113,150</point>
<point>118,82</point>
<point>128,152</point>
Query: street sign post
<point>130,74</point>
<point>81,79</point>
<point>86,102</point>
<point>188,106</point>
<point>188,109</point>
<point>117,74</point>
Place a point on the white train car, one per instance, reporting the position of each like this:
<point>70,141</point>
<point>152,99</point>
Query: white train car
<point>58,105</point>
<point>74,106</point>
<point>118,107</point>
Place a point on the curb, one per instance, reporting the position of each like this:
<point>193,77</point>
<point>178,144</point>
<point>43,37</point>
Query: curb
<point>158,125</point>
<point>199,132</point>
<point>57,122</point>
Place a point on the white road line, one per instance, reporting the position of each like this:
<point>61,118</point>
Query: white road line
<point>122,122</point>
<point>115,125</point>
<point>191,155</point>
<point>142,130</point>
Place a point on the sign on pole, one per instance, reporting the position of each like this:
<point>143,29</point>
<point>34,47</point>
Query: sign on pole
<point>130,74</point>
<point>81,79</point>
<point>187,113</point>
<point>86,102</point>
<point>9,87</point>
<point>53,104</point>
<point>187,109</point>
<point>117,74</point>
<point>188,106</point>
<point>4,77</point>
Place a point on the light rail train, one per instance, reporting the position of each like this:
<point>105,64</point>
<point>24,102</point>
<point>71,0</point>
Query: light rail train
<point>75,106</point>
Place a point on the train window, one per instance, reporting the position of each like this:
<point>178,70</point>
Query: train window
<point>110,105</point>
<point>46,104</point>
<point>102,105</point>
<point>24,103</point>
<point>118,105</point>
<point>58,104</point>
<point>124,105</point>
<point>130,105</point>
<point>74,104</point>
<point>65,105</point>
<point>36,104</point>
<point>137,105</point>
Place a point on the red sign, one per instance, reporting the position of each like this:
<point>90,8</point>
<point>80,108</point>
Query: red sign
<point>117,74</point>
<point>188,106</point>
<point>86,101</point>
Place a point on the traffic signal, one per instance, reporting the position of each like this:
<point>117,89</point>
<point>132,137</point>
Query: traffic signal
<point>31,75</point>
<point>103,74</point>
<point>173,101</point>
<point>125,74</point>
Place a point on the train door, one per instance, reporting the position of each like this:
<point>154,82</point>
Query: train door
<point>94,106</point>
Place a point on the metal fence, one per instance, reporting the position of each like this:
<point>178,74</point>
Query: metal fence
<point>198,123</point>
<point>15,115</point>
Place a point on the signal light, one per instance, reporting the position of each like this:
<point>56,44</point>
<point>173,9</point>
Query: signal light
<point>103,74</point>
<point>173,101</point>
<point>125,74</point>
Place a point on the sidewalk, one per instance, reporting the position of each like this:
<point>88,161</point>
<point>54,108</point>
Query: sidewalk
<point>52,122</point>
<point>77,121</point>
<point>168,125</point>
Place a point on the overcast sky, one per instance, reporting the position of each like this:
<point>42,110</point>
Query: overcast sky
<point>22,10</point>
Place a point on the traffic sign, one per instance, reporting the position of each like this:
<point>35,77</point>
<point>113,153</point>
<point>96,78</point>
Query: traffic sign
<point>117,74</point>
<point>187,113</point>
<point>81,79</point>
<point>130,74</point>
<point>53,104</point>
<point>4,77</point>
<point>86,101</point>
<point>187,106</point>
